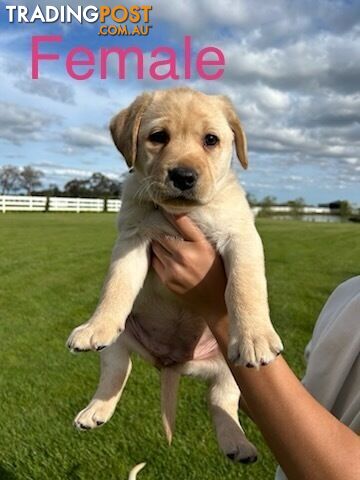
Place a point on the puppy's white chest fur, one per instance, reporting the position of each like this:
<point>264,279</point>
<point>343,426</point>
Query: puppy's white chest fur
<point>160,320</point>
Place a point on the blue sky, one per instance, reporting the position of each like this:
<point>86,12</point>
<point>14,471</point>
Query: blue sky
<point>292,70</point>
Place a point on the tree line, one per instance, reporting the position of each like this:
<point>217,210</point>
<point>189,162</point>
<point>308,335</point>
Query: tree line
<point>339,207</point>
<point>28,180</point>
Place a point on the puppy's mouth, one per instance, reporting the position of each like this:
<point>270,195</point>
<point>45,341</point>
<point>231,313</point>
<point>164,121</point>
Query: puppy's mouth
<point>179,190</point>
<point>183,200</point>
<point>172,199</point>
<point>178,198</point>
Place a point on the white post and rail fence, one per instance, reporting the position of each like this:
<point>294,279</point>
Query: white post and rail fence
<point>22,203</point>
<point>19,203</point>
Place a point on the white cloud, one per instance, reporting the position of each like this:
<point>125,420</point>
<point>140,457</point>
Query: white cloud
<point>86,137</point>
<point>63,173</point>
<point>20,125</point>
<point>47,87</point>
<point>273,99</point>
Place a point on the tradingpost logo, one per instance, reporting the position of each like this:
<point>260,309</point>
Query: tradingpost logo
<point>115,21</point>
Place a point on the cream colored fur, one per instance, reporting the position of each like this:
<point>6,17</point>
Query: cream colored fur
<point>217,204</point>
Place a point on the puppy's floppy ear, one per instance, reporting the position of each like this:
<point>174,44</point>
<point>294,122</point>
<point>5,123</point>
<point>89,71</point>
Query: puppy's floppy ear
<point>240,138</point>
<point>124,127</point>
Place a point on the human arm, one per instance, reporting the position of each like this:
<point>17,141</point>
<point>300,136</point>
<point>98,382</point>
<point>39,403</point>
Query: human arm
<point>307,440</point>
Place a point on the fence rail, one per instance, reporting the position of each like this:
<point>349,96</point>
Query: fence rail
<point>19,203</point>
<point>68,204</point>
<point>14,203</point>
<point>113,205</point>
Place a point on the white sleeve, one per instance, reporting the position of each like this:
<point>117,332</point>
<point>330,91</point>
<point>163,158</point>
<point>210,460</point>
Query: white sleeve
<point>333,371</point>
<point>333,354</point>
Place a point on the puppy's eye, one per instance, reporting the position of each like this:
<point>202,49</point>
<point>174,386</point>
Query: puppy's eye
<point>159,137</point>
<point>211,140</point>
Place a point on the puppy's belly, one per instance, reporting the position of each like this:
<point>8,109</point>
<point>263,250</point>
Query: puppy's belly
<point>163,325</point>
<point>173,343</point>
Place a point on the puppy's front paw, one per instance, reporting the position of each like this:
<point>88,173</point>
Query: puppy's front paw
<point>253,349</point>
<point>92,336</point>
<point>94,415</point>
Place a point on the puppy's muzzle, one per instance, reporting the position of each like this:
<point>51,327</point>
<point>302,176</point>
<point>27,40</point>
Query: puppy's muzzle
<point>183,178</point>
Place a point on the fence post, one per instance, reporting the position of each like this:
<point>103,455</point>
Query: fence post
<point>3,204</point>
<point>78,205</point>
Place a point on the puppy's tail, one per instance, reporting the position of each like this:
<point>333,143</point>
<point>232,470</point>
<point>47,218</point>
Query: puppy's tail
<point>170,379</point>
<point>136,470</point>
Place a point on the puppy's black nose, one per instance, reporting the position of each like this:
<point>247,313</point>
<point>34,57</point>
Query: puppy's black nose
<point>183,178</point>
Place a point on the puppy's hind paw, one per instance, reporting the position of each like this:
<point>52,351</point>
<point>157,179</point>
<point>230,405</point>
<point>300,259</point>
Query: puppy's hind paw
<point>94,415</point>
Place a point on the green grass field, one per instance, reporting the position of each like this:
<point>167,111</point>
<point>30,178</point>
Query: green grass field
<point>52,267</point>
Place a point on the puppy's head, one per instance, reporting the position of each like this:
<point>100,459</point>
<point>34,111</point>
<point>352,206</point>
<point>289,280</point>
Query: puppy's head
<point>180,142</point>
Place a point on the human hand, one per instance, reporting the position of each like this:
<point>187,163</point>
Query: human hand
<point>191,268</point>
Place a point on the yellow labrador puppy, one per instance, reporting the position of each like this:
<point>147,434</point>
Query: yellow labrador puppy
<point>179,144</point>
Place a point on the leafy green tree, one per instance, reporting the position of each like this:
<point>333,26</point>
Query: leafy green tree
<point>266,204</point>
<point>103,186</point>
<point>98,185</point>
<point>9,179</point>
<point>345,209</point>
<point>251,199</point>
<point>297,206</point>
<point>30,179</point>
<point>77,188</point>
<point>51,191</point>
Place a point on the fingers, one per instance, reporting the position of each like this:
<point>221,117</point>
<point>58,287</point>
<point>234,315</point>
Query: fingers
<point>171,246</point>
<point>186,227</point>
<point>165,266</point>
<point>164,248</point>
<point>166,260</point>
<point>159,268</point>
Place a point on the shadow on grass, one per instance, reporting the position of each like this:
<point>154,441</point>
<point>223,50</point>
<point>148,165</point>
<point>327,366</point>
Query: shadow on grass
<point>73,472</point>
<point>5,474</point>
